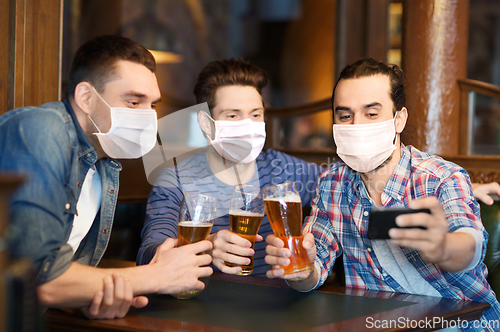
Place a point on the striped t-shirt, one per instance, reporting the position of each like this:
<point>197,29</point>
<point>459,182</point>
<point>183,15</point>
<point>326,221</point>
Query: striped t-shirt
<point>194,174</point>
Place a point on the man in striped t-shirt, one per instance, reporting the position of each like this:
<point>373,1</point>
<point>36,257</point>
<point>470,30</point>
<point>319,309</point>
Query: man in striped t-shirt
<point>232,88</point>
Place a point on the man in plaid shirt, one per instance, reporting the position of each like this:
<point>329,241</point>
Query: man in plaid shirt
<point>445,259</point>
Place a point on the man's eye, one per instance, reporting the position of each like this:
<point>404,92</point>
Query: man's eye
<point>231,116</point>
<point>153,106</point>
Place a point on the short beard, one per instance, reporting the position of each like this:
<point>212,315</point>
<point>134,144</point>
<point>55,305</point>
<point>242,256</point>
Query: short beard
<point>380,166</point>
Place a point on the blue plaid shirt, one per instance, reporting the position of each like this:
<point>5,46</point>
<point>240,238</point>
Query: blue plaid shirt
<point>339,221</point>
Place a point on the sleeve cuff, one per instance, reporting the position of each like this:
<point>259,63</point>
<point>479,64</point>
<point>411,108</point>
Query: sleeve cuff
<point>479,239</point>
<point>55,265</point>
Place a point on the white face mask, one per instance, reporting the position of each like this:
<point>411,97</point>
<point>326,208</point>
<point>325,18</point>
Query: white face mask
<point>238,141</point>
<point>364,147</point>
<point>132,133</point>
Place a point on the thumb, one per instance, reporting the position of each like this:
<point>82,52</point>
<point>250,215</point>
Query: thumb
<point>308,241</point>
<point>169,244</point>
<point>140,302</point>
<point>309,246</point>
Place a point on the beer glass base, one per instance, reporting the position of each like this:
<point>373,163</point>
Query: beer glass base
<point>245,269</point>
<point>245,272</point>
<point>187,295</point>
<point>192,293</point>
<point>296,271</point>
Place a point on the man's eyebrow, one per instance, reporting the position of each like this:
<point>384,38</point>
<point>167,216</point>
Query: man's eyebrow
<point>374,104</point>
<point>230,110</point>
<point>139,95</point>
<point>134,94</point>
<point>342,108</point>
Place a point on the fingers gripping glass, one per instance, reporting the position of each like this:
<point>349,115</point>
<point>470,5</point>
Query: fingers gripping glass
<point>284,210</point>
<point>245,216</point>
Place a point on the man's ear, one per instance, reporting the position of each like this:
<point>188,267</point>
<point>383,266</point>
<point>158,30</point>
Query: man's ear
<point>206,124</point>
<point>83,96</point>
<point>401,118</point>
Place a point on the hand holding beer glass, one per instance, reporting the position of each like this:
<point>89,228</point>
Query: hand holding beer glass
<point>196,218</point>
<point>245,216</point>
<point>284,210</point>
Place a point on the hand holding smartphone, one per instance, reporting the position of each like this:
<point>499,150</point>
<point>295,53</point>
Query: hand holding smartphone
<point>382,219</point>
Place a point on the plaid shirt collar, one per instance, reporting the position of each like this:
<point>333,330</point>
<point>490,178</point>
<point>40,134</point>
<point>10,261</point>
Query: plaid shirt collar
<point>394,189</point>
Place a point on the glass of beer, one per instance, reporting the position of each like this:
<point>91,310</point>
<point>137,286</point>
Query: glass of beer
<point>284,210</point>
<point>196,218</point>
<point>246,211</point>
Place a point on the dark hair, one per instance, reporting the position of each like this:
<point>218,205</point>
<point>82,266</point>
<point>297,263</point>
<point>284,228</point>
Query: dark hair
<point>371,67</point>
<point>94,61</point>
<point>226,72</point>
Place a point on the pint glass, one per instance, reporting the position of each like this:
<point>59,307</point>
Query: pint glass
<point>196,218</point>
<point>245,216</point>
<point>284,210</point>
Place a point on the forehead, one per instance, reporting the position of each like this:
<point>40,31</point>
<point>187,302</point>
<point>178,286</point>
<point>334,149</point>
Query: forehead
<point>132,76</point>
<point>237,97</point>
<point>363,90</point>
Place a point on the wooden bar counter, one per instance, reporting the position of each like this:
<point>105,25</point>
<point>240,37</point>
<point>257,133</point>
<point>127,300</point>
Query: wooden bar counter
<point>232,303</point>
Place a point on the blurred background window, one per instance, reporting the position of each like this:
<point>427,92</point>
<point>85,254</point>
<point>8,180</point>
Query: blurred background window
<point>484,65</point>
<point>298,42</point>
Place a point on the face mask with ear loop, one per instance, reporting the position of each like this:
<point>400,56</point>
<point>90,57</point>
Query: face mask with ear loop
<point>132,133</point>
<point>238,141</point>
<point>364,147</point>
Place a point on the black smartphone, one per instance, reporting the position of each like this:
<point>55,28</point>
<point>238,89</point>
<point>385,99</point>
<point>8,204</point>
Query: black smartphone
<point>495,197</point>
<point>381,219</point>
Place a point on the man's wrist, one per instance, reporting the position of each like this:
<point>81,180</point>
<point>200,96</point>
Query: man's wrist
<point>454,259</point>
<point>145,280</point>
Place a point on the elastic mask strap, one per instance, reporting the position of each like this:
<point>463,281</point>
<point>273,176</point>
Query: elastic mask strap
<point>208,116</point>
<point>213,121</point>
<point>94,124</point>
<point>100,97</point>
<point>396,134</point>
<point>97,93</point>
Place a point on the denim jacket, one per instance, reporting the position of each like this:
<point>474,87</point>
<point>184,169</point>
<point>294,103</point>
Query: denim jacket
<point>48,146</point>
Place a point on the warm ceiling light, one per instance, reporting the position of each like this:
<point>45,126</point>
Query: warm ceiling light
<point>152,33</point>
<point>166,57</point>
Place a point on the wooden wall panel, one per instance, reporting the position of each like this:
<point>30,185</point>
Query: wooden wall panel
<point>350,33</point>
<point>4,55</point>
<point>30,52</point>
<point>377,26</point>
<point>435,37</point>
<point>361,31</point>
<point>30,47</point>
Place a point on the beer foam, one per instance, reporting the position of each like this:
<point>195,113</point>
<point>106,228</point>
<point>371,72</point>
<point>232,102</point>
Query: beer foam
<point>195,224</point>
<point>290,198</point>
<point>245,213</point>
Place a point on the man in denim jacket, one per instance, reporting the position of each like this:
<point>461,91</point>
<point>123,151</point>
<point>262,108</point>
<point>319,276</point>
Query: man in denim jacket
<point>62,216</point>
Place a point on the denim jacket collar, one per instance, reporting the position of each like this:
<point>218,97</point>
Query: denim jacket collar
<point>84,146</point>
